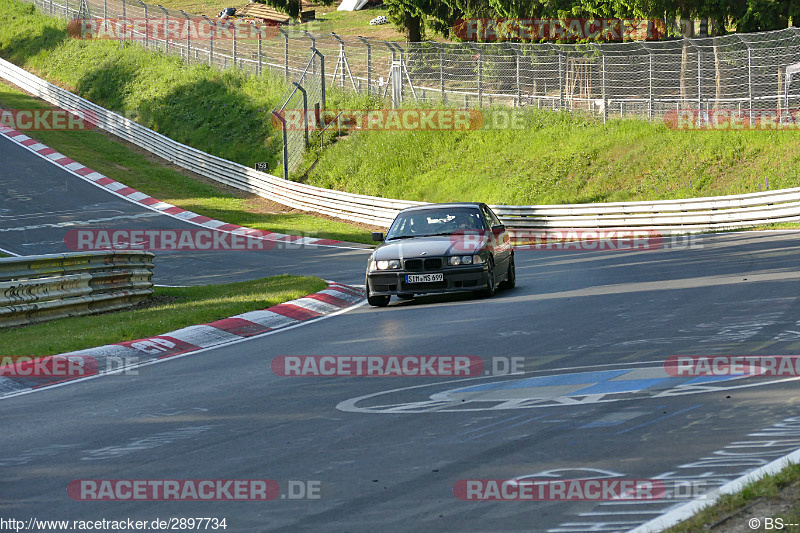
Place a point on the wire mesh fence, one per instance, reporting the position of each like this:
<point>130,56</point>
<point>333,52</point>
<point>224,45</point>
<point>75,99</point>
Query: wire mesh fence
<point>301,111</point>
<point>639,78</point>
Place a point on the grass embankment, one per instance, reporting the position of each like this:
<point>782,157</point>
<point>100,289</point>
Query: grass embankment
<point>771,497</point>
<point>555,158</point>
<point>223,113</point>
<point>560,158</point>
<point>171,309</point>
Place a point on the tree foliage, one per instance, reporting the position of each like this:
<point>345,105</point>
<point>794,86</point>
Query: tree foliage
<point>740,15</point>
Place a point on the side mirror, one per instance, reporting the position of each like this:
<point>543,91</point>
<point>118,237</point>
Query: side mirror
<point>377,236</point>
<point>498,228</point>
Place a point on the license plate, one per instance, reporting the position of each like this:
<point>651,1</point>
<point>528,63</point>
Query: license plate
<point>424,278</point>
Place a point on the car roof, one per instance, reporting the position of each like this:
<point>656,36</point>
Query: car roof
<point>428,207</point>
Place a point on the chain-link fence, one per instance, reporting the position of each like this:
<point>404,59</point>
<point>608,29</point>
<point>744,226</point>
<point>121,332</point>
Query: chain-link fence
<point>643,78</point>
<point>301,111</point>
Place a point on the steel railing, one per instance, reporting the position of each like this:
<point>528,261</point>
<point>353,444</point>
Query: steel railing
<point>46,287</point>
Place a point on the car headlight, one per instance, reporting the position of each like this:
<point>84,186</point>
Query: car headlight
<point>391,264</point>
<point>455,260</point>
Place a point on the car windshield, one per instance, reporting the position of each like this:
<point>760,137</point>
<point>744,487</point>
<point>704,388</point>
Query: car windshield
<point>435,222</point>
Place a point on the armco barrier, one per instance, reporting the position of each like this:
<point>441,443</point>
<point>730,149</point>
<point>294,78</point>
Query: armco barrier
<point>45,287</point>
<point>669,216</point>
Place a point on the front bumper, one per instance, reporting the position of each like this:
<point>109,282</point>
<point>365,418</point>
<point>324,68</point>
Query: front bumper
<point>457,279</point>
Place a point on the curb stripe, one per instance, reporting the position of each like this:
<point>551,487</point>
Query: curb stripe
<point>145,200</point>
<point>115,357</point>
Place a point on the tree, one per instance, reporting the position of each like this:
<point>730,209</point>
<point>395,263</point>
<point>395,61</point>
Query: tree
<point>291,7</point>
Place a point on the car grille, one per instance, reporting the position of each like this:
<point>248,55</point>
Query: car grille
<point>432,263</point>
<point>424,287</point>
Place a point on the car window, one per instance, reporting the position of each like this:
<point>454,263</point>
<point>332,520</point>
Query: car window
<point>435,222</point>
<point>491,218</point>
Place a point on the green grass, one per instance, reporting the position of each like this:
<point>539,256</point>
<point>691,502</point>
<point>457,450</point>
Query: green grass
<point>174,308</point>
<point>559,158</point>
<point>769,489</point>
<point>144,172</point>
<point>553,158</point>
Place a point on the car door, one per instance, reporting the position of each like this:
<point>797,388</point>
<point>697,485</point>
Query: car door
<point>502,246</point>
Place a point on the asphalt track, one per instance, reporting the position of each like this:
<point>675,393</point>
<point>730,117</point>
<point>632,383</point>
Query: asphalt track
<point>387,452</point>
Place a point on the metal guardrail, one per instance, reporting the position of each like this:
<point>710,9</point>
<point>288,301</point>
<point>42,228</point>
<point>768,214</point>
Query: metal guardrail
<point>46,287</point>
<point>668,216</point>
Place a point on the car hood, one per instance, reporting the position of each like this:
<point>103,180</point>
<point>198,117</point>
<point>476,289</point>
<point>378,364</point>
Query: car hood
<point>438,246</point>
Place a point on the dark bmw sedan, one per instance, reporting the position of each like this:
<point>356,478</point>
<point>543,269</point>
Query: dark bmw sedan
<point>441,248</point>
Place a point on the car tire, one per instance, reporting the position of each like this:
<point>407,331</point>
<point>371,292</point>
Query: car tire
<point>491,288</point>
<point>511,276</point>
<point>377,301</point>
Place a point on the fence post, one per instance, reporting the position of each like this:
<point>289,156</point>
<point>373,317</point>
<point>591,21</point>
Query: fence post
<point>146,25</point>
<point>560,77</point>
<point>305,108</point>
<point>749,78</point>
<point>259,68</point>
<point>517,55</point>
<point>369,63</point>
<point>124,19</point>
<point>441,69</point>
<point>166,27</point>
<point>313,47</point>
<point>233,24</point>
<point>285,52</point>
<point>105,14</point>
<point>605,90</point>
<point>285,145</point>
<point>188,36</point>
<point>66,10</point>
<point>480,72</point>
<point>699,80</point>
<point>322,74</point>
<point>212,27</point>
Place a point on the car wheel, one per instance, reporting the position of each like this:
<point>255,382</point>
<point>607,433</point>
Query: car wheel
<point>511,276</point>
<point>491,288</point>
<point>377,301</point>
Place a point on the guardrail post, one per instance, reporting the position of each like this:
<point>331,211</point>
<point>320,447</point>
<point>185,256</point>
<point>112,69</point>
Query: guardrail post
<point>285,52</point>
<point>369,63</point>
